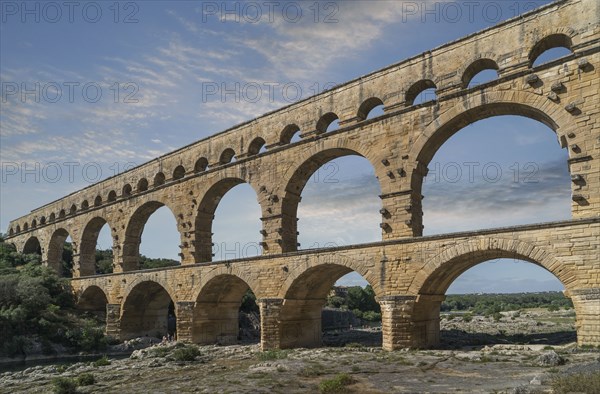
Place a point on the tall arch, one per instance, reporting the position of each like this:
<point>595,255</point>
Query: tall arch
<point>146,311</point>
<point>87,246</point>
<point>32,246</point>
<point>133,234</point>
<point>93,299</point>
<point>205,216</point>
<point>295,185</point>
<point>55,250</point>
<point>216,311</point>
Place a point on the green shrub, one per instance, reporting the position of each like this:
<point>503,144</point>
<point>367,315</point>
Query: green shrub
<point>467,317</point>
<point>160,351</point>
<point>101,362</point>
<point>272,355</point>
<point>580,383</point>
<point>86,379</point>
<point>188,353</point>
<point>336,384</point>
<point>63,385</point>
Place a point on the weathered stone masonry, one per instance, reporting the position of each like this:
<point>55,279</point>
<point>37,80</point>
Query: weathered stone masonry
<point>409,273</point>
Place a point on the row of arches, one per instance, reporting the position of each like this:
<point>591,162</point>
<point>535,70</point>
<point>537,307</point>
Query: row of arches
<point>152,308</point>
<point>547,49</point>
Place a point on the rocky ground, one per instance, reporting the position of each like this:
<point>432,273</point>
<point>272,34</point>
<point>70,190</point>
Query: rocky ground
<point>493,364</point>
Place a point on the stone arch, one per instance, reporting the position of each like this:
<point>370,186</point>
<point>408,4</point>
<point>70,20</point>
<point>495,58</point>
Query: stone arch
<point>33,223</point>
<point>227,156</point>
<point>87,246</point>
<point>305,293</point>
<point>32,245</point>
<point>255,146</point>
<point>475,68</point>
<point>145,309</point>
<point>216,310</point>
<point>416,88</point>
<point>300,172</point>
<point>97,201</point>
<point>11,231</point>
<point>473,109</point>
<point>72,210</point>
<point>55,249</point>
<point>25,226</point>
<point>367,106</point>
<point>205,215</point>
<point>93,299</point>
<point>159,179</point>
<point>85,205</point>
<point>142,185</point>
<point>554,40</point>
<point>326,120</point>
<point>288,133</point>
<point>52,217</point>
<point>179,172</point>
<point>112,196</point>
<point>126,191</point>
<point>201,165</point>
<point>133,233</point>
<point>43,220</point>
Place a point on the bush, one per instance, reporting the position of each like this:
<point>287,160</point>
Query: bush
<point>336,384</point>
<point>188,353</point>
<point>272,355</point>
<point>64,385</point>
<point>581,383</point>
<point>467,317</point>
<point>86,379</point>
<point>101,362</point>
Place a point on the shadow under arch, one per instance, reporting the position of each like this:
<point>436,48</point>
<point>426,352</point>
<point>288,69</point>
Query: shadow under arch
<point>433,280</point>
<point>296,182</point>
<point>305,293</point>
<point>94,300</point>
<point>55,250</point>
<point>216,311</point>
<point>206,214</point>
<point>87,246</point>
<point>133,233</point>
<point>148,310</point>
<point>32,246</point>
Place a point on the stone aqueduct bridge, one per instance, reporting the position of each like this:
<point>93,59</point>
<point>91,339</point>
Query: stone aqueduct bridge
<point>408,272</point>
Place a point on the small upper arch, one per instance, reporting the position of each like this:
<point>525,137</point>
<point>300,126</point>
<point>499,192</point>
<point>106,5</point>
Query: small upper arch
<point>97,201</point>
<point>325,121</point>
<point>201,165</point>
<point>556,40</point>
<point>43,220</point>
<point>475,68</point>
<point>255,146</point>
<point>85,205</point>
<point>178,172</point>
<point>11,231</point>
<point>52,216</point>
<point>112,196</point>
<point>18,228</point>
<point>159,179</point>
<point>126,192</point>
<point>227,156</point>
<point>25,226</point>
<point>142,185</point>
<point>288,133</point>
<point>33,223</point>
<point>367,106</point>
<point>418,88</point>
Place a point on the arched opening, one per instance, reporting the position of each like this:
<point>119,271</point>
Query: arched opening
<point>227,156</point>
<point>370,108</point>
<point>340,202</point>
<point>18,228</point>
<point>499,171</point>
<point>32,246</point>
<point>239,211</point>
<point>33,223</point>
<point>315,312</point>
<point>236,225</point>
<point>25,226</point>
<point>11,231</point>
<point>201,165</point>
<point>148,311</point>
<point>112,196</point>
<point>85,205</point>
<point>493,297</point>
<point>178,172</point>
<point>95,253</point>
<point>550,48</point>
<point>97,201</point>
<point>225,312</point>
<point>43,220</point>
<point>327,123</point>
<point>291,133</point>
<point>93,300</point>
<point>60,253</point>
<point>421,92</point>
<point>142,185</point>
<point>52,216</point>
<point>126,190</point>
<point>159,179</point>
<point>479,72</point>
<point>257,146</point>
<point>151,238</point>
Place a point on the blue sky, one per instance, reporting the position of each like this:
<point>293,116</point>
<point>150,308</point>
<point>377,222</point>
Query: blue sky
<point>157,65</point>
